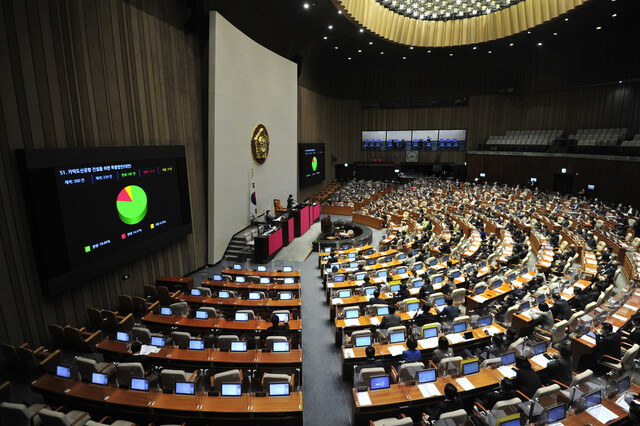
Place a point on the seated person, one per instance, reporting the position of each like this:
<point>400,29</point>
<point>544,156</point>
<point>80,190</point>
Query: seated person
<point>451,403</point>
<point>579,300</point>
<point>561,310</point>
<point>443,350</point>
<point>450,311</point>
<point>389,320</point>
<point>495,349</point>
<point>268,218</point>
<point>542,317</point>
<point>369,362</point>
<point>526,380</point>
<point>375,300</point>
<point>412,354</point>
<point>276,328</point>
<point>505,393</point>
<point>424,315</point>
<point>560,369</point>
<point>402,294</point>
<point>607,342</point>
<point>633,334</point>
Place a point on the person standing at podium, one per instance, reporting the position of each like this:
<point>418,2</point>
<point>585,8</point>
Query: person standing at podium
<point>290,202</point>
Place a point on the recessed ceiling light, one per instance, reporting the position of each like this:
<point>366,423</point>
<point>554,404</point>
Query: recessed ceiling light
<point>490,51</point>
<point>510,44</point>
<point>335,47</point>
<point>404,57</point>
<point>359,50</point>
<point>306,5</point>
<point>361,30</point>
<point>325,37</point>
<point>349,58</point>
<point>540,44</point>
<point>450,54</point>
<point>566,19</point>
<point>428,51</point>
<point>475,47</point>
<point>330,27</point>
<point>620,81</point>
<point>410,47</point>
<point>370,42</point>
<point>598,28</point>
<point>382,53</point>
<point>340,13</point>
<point>528,32</point>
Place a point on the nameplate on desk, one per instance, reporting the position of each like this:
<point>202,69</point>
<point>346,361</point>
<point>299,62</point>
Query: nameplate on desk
<point>348,353</point>
<point>428,390</point>
<point>588,339</point>
<point>363,398</point>
<point>619,317</point>
<point>429,343</point>
<point>465,383</point>
<point>336,301</point>
<point>375,321</point>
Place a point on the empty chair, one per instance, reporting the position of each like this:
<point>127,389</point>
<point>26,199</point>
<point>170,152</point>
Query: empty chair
<point>57,418</point>
<point>125,304</point>
<point>150,293</point>
<point>462,319</point>
<point>367,373</point>
<point>268,343</point>
<point>5,391</point>
<point>141,334</point>
<point>501,405</point>
<point>392,421</point>
<point>164,297</point>
<point>458,296</point>
<point>480,286</point>
<point>409,371</point>
<point>180,309</point>
<point>516,343</point>
<point>59,338</point>
<point>276,378</point>
<point>250,312</point>
<point>88,366</point>
<point>230,376</point>
<point>126,370</point>
<point>458,416</point>
<point>19,414</point>
<point>10,353</point>
<point>224,340</point>
<point>590,307</point>
<point>358,333</point>
<point>113,322</point>
<point>42,359</point>
<point>96,322</point>
<point>140,308</point>
<point>573,321</point>
<point>434,296</point>
<point>350,309</point>
<point>170,377</point>
<point>213,313</point>
<point>82,341</point>
<point>181,338</point>
<point>550,390</point>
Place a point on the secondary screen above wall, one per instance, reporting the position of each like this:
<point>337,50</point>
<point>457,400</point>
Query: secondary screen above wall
<point>414,140</point>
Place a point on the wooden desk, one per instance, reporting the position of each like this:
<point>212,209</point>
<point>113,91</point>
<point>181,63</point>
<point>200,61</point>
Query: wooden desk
<point>264,305</point>
<point>271,274</point>
<point>245,288</point>
<point>175,283</point>
<point>170,321</point>
<point>370,221</point>
<point>156,406</point>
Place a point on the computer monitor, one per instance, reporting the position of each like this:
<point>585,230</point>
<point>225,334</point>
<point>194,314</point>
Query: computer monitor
<point>513,420</point>
<point>593,398</point>
<point>455,274</point>
<point>287,269</point>
<point>242,316</point>
<point>240,279</point>
<point>439,301</point>
<point>345,247</point>
<point>427,376</point>
<point>262,268</point>
<point>556,413</point>
<point>239,346</point>
<point>283,316</point>
<point>254,295</point>
<point>327,250</point>
<point>397,337</point>
<point>460,327</point>
<point>265,280</point>
<point>223,294</point>
<point>524,270</point>
<point>402,256</point>
<point>344,293</point>
<point>121,336</point>
<point>484,321</point>
<point>508,358</point>
<point>99,379</point>
<point>382,274</point>
<point>202,315</point>
<point>382,310</point>
<point>394,287</point>
<point>353,264</point>
<point>196,292</point>
<point>165,311</point>
<point>196,344</point>
<point>433,262</point>
<point>217,277</point>
<point>540,348</point>
<point>437,279</point>
<point>286,295</point>
<point>525,306</point>
<point>401,271</point>
<point>288,280</point>
<point>483,264</point>
<point>185,388</point>
<point>379,383</point>
<point>360,276</point>
<point>470,367</point>
<point>369,291</point>
<point>418,283</point>
<point>281,346</point>
<point>479,290</point>
<point>231,389</point>
<point>497,283</point>
<point>351,313</point>
<point>429,332</point>
<point>591,187</point>
<point>62,371</point>
<point>388,259</point>
<point>351,255</point>
<point>623,384</point>
<point>237,266</point>
<point>157,341</point>
<point>541,298</point>
<point>338,279</point>
<point>369,252</point>
<point>363,341</point>
<point>278,389</point>
<point>371,262</point>
<point>140,384</point>
<point>512,276</point>
<point>413,306</point>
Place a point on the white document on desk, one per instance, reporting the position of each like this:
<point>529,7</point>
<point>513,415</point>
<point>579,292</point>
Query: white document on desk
<point>465,383</point>
<point>363,398</point>
<point>429,390</point>
<point>568,290</point>
<point>500,291</point>
<point>630,307</point>
<point>602,414</point>
<point>455,338</point>
<point>336,301</point>
<point>480,299</point>
<point>375,321</point>
<point>351,322</point>
<point>359,282</point>
<point>526,314</point>
<point>527,276</point>
<point>348,353</point>
<point>396,350</point>
<point>541,360</point>
<point>507,371</point>
<point>492,330</point>
<point>148,349</point>
<point>429,343</point>
<point>620,317</point>
<point>404,276</point>
<point>622,403</point>
<point>588,339</point>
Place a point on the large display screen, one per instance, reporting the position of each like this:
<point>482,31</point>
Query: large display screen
<point>95,209</point>
<point>311,163</point>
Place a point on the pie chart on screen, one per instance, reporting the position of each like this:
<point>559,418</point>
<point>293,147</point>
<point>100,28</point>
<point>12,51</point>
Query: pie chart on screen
<point>132,204</point>
<point>314,163</point>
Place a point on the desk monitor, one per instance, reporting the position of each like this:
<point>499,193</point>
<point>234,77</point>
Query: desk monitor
<point>99,379</point>
<point>512,420</point>
<point>287,269</point>
<point>121,336</point>
<point>345,247</point>
<point>540,348</point>
<point>397,337</point>
<point>262,268</point>
<point>401,271</point>
<point>327,250</point>
<point>62,371</point>
<point>497,283</point>
<point>157,341</point>
<point>240,279</point>
<point>185,388</point>
<point>371,262</point>
<point>623,384</point>
<point>369,252</point>
<point>353,265</point>
<point>254,295</point>
<point>413,306</point>
<point>483,264</point>
<point>265,280</point>
<point>593,398</point>
<point>231,389</point>
<point>217,277</point>
<point>440,301</point>
<point>394,287</point>
<point>344,294</point>
<point>556,413</point>
<point>402,256</point>
<point>140,384</point>
<point>508,358</point>
<point>286,295</point>
<point>388,259</point>
<point>351,313</point>
<point>281,346</point>
<point>196,344</point>
<point>479,290</point>
<point>368,291</point>
<point>239,346</point>
<point>351,255</point>
<point>202,315</point>
<point>223,294</point>
<point>541,298</point>
<point>512,277</point>
<point>166,311</point>
<point>278,389</point>
<point>429,331</point>
<point>591,187</point>
<point>382,310</point>
<point>460,327</point>
<point>382,274</point>
<point>360,276</point>
<point>242,316</point>
<point>237,267</point>
<point>283,316</point>
<point>338,279</point>
<point>196,292</point>
<point>288,280</point>
<point>427,376</point>
<point>418,283</point>
<point>470,269</point>
<point>470,366</point>
<point>524,270</point>
<point>437,279</point>
<point>379,382</point>
<point>484,321</point>
<point>363,341</point>
<point>525,306</point>
<point>455,274</point>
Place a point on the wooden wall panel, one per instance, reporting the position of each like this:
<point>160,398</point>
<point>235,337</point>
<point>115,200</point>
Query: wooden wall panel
<point>83,74</point>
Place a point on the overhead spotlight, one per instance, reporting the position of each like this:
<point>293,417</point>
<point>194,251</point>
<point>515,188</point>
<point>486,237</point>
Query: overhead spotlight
<point>614,15</point>
<point>540,44</point>
<point>475,47</point>
<point>325,37</point>
<point>370,42</point>
<point>450,54</point>
<point>361,30</point>
<point>410,47</point>
<point>490,51</point>
<point>382,53</point>
<point>619,81</point>
<point>359,50</point>
<point>511,44</point>
<point>349,58</point>
<point>339,12</point>
<point>555,34</point>
<point>598,28</point>
<point>428,51</point>
<point>330,27</point>
<point>566,19</point>
<point>306,5</point>
<point>335,47</point>
<point>528,32</point>
<point>404,57</point>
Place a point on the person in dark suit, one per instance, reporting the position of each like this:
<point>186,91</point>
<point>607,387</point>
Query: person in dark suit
<point>506,392</point>
<point>268,217</point>
<point>277,329</point>
<point>633,334</point>
<point>526,380</point>
<point>607,342</point>
<point>560,309</point>
<point>579,300</point>
<point>425,317</point>
<point>451,403</point>
<point>390,320</point>
<point>370,362</point>
<point>560,368</point>
<point>290,202</point>
<point>375,300</point>
<point>402,294</point>
<point>450,311</point>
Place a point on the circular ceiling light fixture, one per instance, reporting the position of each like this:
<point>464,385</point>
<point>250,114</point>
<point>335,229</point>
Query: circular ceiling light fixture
<point>444,10</point>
